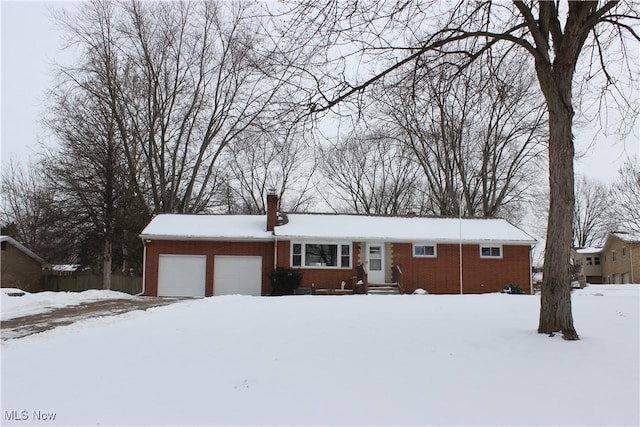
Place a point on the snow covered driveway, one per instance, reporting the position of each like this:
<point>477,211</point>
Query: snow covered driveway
<point>316,360</point>
<point>50,318</point>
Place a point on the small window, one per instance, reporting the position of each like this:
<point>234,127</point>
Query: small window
<point>427,251</point>
<point>4,245</point>
<point>613,256</point>
<point>345,257</point>
<point>589,261</point>
<point>596,260</point>
<point>297,255</point>
<point>490,251</point>
<point>624,251</point>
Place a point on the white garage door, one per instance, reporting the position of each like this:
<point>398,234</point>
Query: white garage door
<point>237,275</point>
<point>182,275</point>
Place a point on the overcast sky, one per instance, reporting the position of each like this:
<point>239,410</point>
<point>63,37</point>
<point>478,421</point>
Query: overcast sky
<point>30,44</point>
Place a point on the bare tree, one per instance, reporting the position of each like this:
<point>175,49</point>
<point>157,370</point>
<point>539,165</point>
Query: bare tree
<point>591,216</point>
<point>274,159</point>
<point>371,174</point>
<point>477,136</point>
<point>30,206</point>
<point>555,35</point>
<point>182,80</point>
<point>88,168</point>
<point>625,197</point>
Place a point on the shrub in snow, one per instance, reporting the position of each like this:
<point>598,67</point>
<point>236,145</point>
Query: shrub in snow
<point>420,291</point>
<point>284,281</point>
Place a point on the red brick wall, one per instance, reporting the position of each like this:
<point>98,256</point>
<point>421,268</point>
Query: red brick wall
<point>441,275</point>
<point>321,277</point>
<point>438,275</point>
<point>210,249</point>
<point>19,270</point>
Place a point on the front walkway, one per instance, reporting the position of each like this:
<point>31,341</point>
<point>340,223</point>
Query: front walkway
<point>20,327</point>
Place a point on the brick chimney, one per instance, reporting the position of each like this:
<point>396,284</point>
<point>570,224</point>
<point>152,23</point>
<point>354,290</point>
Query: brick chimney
<point>272,209</point>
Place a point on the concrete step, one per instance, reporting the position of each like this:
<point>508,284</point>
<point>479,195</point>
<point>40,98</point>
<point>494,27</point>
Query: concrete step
<point>383,289</point>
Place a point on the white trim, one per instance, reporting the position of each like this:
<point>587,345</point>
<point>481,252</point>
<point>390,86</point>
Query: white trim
<point>435,250</point>
<point>339,245</point>
<point>491,256</point>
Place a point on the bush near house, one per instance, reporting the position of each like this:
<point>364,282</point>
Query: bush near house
<point>284,281</point>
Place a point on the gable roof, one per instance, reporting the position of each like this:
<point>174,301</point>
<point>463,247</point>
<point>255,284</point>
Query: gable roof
<point>336,227</point>
<point>22,248</point>
<point>207,227</point>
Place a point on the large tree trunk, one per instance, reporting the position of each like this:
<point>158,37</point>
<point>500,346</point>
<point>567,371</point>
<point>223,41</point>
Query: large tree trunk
<point>106,266</point>
<point>555,309</point>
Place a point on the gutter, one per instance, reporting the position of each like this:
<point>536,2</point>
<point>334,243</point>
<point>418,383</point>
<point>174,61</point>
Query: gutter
<point>144,268</point>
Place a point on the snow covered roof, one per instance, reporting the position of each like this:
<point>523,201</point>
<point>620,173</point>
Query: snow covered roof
<point>401,229</point>
<point>588,250</point>
<point>207,227</point>
<point>627,236</point>
<point>335,227</point>
<point>22,248</point>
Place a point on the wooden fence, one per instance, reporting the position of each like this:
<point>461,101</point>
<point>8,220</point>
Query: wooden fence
<point>83,281</point>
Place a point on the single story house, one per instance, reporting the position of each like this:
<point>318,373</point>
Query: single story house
<point>19,267</point>
<point>206,255</point>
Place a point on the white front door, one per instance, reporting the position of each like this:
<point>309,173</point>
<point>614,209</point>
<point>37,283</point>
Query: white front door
<point>375,262</point>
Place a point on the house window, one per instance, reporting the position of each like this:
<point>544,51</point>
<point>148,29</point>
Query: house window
<point>613,256</point>
<point>490,251</point>
<point>589,261</point>
<point>321,255</point>
<point>596,260</point>
<point>624,251</point>
<point>4,245</point>
<point>426,251</point>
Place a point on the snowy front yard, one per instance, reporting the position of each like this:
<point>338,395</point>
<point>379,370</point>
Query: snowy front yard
<point>354,360</point>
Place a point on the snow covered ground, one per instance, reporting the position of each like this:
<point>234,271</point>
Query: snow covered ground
<point>34,303</point>
<point>348,360</point>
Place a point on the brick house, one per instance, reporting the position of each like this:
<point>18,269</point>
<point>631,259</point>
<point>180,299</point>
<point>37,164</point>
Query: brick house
<point>19,267</point>
<point>621,258</point>
<point>205,255</point>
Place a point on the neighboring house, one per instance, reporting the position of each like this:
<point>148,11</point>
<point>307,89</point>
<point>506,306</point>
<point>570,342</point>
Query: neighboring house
<point>590,264</point>
<point>621,258</point>
<point>19,267</point>
<point>204,255</point>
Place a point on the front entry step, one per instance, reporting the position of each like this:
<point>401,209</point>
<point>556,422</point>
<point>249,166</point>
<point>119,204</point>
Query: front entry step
<point>383,289</point>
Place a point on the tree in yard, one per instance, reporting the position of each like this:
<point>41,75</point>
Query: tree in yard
<point>476,133</point>
<point>183,81</point>
<point>89,169</point>
<point>371,174</point>
<point>625,197</point>
<point>33,214</point>
<point>554,34</point>
<point>591,216</point>
<point>260,161</point>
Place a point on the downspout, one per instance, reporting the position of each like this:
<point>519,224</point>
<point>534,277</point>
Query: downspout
<point>275,251</point>
<point>530,270</point>
<point>144,267</point>
<point>631,260</point>
<point>460,224</point>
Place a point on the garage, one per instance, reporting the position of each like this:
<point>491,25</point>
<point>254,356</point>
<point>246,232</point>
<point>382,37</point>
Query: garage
<point>237,275</point>
<point>182,275</point>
